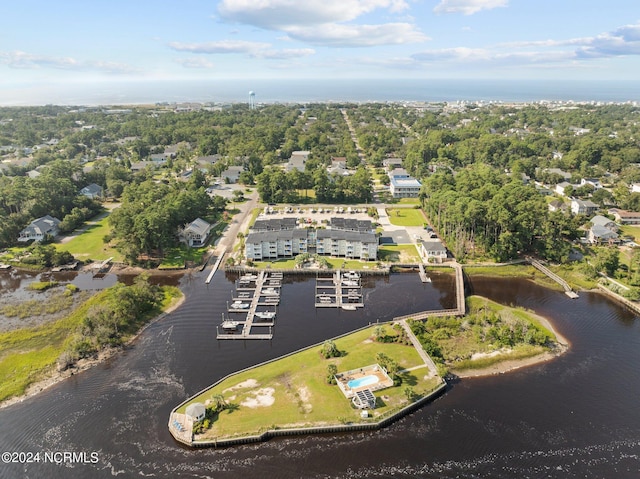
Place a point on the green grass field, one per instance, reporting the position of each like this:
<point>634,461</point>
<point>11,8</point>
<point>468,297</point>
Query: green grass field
<point>403,253</point>
<point>301,394</point>
<point>630,230</point>
<point>406,216</point>
<point>89,244</point>
<point>179,256</point>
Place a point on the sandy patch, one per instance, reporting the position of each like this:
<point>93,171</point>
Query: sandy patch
<point>475,356</point>
<point>249,383</point>
<point>261,398</point>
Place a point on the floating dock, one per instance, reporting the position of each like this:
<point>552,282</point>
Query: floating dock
<point>254,291</point>
<point>341,290</point>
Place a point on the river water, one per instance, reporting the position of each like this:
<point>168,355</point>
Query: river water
<point>575,416</point>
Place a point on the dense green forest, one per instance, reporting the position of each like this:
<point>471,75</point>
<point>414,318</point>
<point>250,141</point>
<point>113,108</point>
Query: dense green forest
<point>478,164</point>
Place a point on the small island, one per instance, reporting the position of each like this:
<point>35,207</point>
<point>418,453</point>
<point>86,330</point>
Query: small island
<point>362,380</point>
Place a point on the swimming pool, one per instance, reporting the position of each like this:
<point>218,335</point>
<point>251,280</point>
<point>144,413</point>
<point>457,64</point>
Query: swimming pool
<point>363,381</point>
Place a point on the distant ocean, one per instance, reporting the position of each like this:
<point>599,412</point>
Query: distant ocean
<point>308,91</point>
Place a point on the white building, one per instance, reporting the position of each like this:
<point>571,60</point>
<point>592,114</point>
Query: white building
<point>586,207</point>
<point>298,160</point>
<point>196,233</point>
<point>403,185</point>
<point>432,251</point>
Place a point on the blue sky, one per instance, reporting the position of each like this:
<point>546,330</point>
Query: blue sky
<point>71,42</point>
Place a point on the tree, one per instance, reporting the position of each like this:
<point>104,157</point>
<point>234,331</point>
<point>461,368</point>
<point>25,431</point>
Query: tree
<point>332,370</point>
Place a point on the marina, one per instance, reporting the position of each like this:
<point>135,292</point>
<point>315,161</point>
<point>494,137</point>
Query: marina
<point>257,297</point>
<point>340,290</point>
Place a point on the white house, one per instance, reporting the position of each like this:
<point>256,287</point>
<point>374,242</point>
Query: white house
<point>196,233</point>
<point>39,228</point>
<point>403,185</point>
<point>635,188</point>
<point>580,207</point>
<point>599,220</point>
<point>592,182</point>
<point>432,251</point>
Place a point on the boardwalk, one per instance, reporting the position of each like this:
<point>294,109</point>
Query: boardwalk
<point>567,289</point>
<point>460,309</point>
<point>330,292</point>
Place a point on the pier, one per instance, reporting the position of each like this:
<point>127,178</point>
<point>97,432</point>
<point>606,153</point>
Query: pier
<point>341,290</point>
<point>253,291</point>
<point>540,267</point>
<point>459,310</point>
<point>215,268</point>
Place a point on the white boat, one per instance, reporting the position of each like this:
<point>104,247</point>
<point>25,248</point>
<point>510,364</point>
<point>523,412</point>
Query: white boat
<point>349,282</point>
<point>348,307</point>
<point>265,314</point>
<point>248,277</point>
<point>270,292</point>
<point>230,325</point>
<point>351,275</point>
<point>239,305</point>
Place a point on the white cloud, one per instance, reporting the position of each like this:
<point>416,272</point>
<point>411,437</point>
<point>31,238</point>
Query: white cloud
<point>336,35</point>
<point>468,7</point>
<point>223,46</point>
<point>30,61</point>
<point>279,14</point>
<point>194,62</point>
<point>323,22</point>
<point>623,41</point>
<point>286,53</point>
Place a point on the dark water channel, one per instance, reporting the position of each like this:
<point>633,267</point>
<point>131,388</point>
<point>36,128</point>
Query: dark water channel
<point>576,416</point>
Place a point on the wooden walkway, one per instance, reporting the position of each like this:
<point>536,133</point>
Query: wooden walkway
<point>567,289</point>
<point>215,268</point>
<point>266,285</point>
<point>460,309</point>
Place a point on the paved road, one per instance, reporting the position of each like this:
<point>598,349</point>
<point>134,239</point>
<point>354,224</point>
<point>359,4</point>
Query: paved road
<point>240,223</point>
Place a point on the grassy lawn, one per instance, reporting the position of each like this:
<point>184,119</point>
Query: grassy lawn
<point>630,230</point>
<point>406,216</point>
<point>179,256</point>
<point>30,354</point>
<point>409,201</point>
<point>89,244</point>
<point>301,395</point>
<point>403,253</point>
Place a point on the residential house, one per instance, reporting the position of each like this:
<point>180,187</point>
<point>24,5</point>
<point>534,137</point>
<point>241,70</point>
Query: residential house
<point>391,163</point>
<point>39,229</point>
<point>625,217</point>
<point>605,222</point>
<point>432,250</point>
<point>298,160</point>
<point>586,207</point>
<point>558,205</point>
<point>592,182</point>
<point>561,188</point>
<point>92,191</point>
<point>599,234</point>
<point>635,188</point>
<point>196,233</point>
<point>403,185</point>
<point>232,174</point>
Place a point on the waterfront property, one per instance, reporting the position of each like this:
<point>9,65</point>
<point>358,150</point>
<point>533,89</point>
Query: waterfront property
<point>293,392</point>
<point>196,233</point>
<point>277,238</point>
<point>39,228</point>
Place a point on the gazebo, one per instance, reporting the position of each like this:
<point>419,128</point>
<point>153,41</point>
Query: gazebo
<point>196,411</point>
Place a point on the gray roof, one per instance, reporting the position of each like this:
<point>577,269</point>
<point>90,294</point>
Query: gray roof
<point>272,236</point>
<point>347,236</point>
<point>195,410</point>
<point>601,232</point>
<point>433,246</point>
<point>92,189</point>
<point>275,224</point>
<point>199,226</point>
<point>351,224</point>
<point>599,220</point>
<point>42,225</point>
